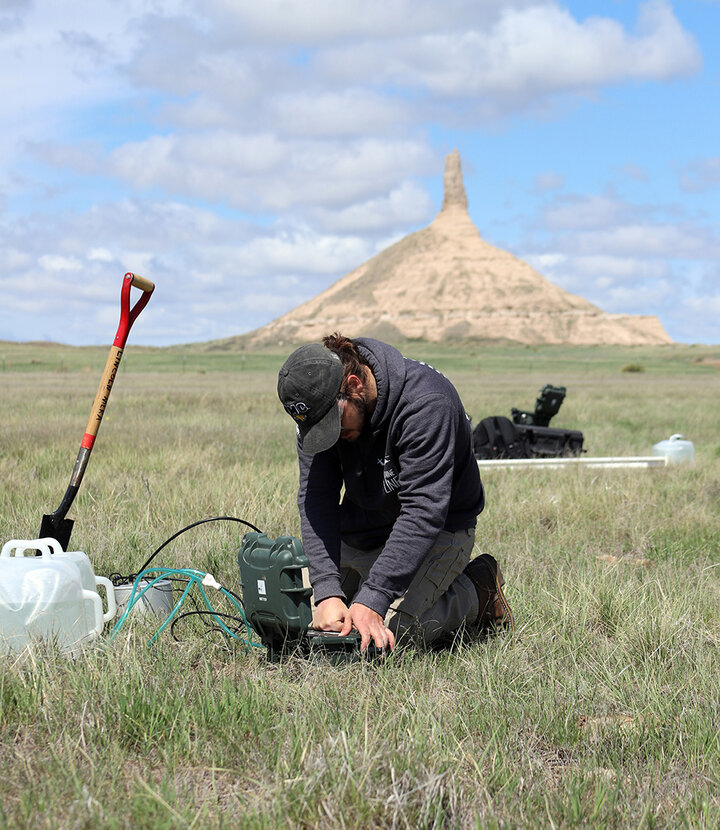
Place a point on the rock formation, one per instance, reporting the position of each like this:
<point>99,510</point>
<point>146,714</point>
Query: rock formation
<point>445,282</point>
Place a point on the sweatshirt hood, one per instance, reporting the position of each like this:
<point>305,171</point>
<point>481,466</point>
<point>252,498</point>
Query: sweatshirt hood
<point>388,367</point>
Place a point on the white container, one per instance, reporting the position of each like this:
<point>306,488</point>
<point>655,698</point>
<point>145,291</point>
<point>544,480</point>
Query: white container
<point>42,597</point>
<point>90,581</point>
<point>677,449</point>
<point>158,600</point>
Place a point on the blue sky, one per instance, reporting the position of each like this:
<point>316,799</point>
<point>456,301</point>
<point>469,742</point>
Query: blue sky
<point>246,155</point>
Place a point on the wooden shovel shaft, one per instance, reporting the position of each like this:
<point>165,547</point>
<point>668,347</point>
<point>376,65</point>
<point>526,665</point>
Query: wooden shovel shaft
<point>127,318</point>
<point>91,431</point>
<point>101,399</point>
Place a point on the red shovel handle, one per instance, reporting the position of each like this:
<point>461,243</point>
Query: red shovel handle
<point>127,318</point>
<point>129,315</point>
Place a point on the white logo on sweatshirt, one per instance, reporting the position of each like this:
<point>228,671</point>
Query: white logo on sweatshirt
<point>391,481</point>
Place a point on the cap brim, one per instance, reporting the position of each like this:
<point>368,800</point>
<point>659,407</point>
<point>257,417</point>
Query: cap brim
<point>324,434</point>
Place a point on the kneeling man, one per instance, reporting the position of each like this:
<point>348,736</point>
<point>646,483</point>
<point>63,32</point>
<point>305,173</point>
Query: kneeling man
<point>390,559</point>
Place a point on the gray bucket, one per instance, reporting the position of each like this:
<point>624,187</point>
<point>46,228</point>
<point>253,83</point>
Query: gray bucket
<point>158,600</point>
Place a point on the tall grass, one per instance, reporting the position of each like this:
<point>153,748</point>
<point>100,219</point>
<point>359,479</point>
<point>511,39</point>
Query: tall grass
<point>600,711</point>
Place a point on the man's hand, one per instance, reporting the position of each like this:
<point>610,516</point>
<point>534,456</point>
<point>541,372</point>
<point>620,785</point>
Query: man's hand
<point>330,615</point>
<point>370,625</point>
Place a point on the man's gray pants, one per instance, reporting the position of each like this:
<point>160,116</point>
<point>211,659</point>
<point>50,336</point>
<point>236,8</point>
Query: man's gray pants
<point>439,600</point>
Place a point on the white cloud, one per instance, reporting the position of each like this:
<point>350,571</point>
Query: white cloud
<point>549,181</point>
<point>527,53</point>
<point>348,112</point>
<point>48,262</point>
<point>628,258</point>
<point>627,269</point>
<point>577,212</point>
<point>608,229</point>
<point>705,306</point>
<point>214,277</point>
<point>315,112</point>
<point>701,174</point>
<point>675,241</point>
<point>635,172</point>
<point>298,22</point>
<point>406,205</point>
<point>638,298</point>
<point>696,318</point>
<point>258,172</point>
<point>317,119</point>
<point>99,255</point>
<point>601,269</point>
<point>301,252</point>
<point>546,262</point>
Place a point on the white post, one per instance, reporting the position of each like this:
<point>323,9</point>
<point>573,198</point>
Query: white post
<point>628,462</point>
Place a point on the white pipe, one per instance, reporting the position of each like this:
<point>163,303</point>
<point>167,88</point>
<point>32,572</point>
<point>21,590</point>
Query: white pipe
<point>637,461</point>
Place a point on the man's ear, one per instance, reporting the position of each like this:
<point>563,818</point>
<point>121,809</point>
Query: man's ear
<point>354,384</point>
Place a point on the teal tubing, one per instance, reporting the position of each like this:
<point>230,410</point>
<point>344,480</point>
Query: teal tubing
<point>194,577</point>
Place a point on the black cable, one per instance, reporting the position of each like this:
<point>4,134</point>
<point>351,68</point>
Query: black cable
<point>119,579</point>
<point>195,524</point>
<point>240,624</point>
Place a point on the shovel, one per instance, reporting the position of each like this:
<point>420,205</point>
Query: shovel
<point>55,525</point>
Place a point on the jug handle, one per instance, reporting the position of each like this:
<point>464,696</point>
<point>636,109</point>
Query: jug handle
<point>16,547</point>
<point>94,597</point>
<point>110,592</point>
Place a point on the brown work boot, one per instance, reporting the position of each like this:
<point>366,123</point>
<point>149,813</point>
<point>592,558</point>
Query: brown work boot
<point>494,611</point>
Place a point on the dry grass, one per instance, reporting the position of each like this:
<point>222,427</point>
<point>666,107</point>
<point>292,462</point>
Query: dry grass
<point>600,711</point>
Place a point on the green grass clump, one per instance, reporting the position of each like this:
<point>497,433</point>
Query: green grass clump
<point>601,710</point>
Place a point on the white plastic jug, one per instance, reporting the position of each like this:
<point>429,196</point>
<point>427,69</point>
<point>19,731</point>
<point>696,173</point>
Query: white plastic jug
<point>677,449</point>
<point>90,581</point>
<point>42,597</point>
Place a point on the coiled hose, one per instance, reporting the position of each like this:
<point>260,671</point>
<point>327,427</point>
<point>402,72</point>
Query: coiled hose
<point>194,578</point>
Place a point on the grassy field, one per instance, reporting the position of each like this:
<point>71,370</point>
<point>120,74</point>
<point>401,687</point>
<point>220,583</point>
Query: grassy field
<point>601,710</point>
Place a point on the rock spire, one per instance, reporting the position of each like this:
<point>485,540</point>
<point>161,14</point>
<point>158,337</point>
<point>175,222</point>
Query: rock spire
<point>445,282</point>
<point>455,196</point>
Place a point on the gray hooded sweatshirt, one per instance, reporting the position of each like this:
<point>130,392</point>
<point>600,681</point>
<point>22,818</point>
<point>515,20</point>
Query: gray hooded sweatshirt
<point>410,475</point>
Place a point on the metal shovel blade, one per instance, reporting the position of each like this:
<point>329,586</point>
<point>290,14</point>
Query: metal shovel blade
<point>59,529</point>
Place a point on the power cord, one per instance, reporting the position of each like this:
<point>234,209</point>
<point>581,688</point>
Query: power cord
<point>119,579</point>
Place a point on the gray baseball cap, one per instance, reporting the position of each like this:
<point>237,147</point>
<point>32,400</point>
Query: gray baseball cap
<point>309,383</point>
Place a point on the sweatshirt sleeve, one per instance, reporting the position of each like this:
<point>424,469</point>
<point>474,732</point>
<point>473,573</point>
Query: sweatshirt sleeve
<point>319,505</point>
<point>425,444</point>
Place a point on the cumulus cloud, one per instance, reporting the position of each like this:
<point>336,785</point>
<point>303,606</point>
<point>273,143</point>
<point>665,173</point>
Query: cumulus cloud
<point>408,204</point>
<point>600,271</point>
<point>215,276</point>
<point>627,258</point>
<point>261,172</point>
<point>609,226</point>
<point>257,151</point>
<point>525,54</point>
